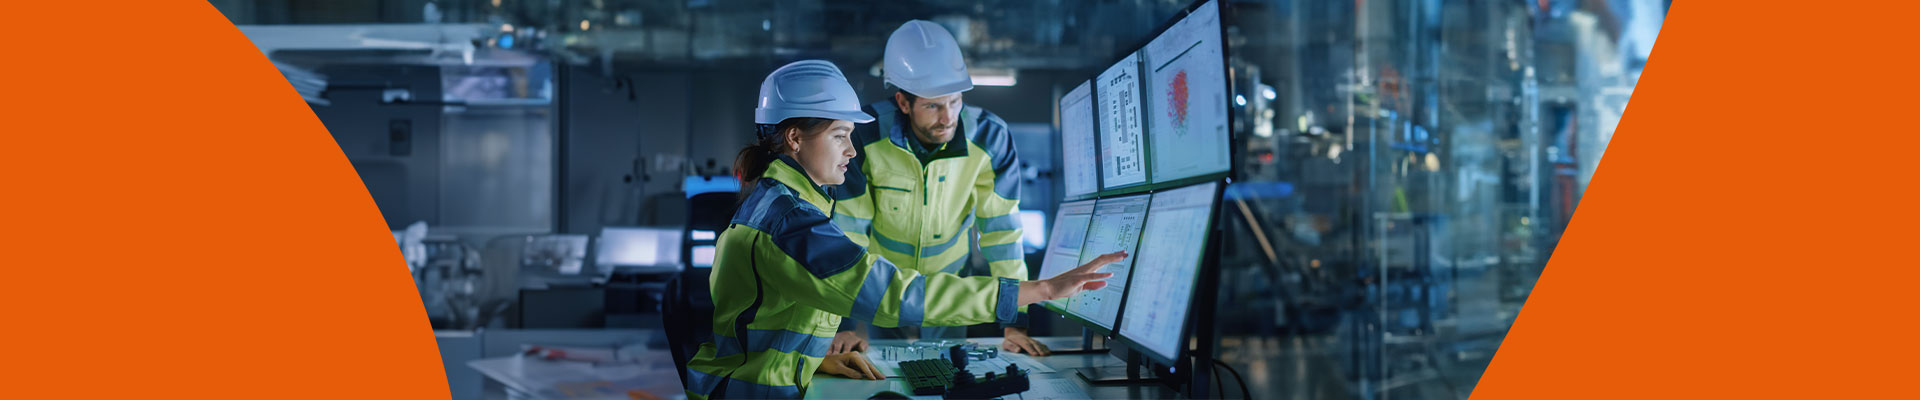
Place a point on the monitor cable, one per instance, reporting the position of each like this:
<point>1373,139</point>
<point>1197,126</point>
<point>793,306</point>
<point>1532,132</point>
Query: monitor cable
<point>1244,393</point>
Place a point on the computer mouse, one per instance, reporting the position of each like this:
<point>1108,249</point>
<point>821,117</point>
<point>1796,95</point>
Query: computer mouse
<point>888,396</point>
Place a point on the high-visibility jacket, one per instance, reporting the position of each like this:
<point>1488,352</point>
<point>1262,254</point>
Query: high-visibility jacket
<point>923,218</point>
<point>783,275</point>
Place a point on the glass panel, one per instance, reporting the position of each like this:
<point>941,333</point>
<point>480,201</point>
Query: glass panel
<point>497,170</point>
<point>1406,169</point>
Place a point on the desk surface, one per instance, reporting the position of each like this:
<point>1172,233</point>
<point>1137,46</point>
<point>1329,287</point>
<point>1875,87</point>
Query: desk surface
<point>554,380</point>
<point>834,387</point>
<point>527,377</point>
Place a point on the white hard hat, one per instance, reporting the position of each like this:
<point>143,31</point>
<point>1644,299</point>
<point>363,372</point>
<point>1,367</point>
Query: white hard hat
<point>923,59</point>
<point>808,88</point>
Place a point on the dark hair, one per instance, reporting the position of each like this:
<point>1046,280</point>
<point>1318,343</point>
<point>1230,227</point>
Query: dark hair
<point>910,98</point>
<point>753,161</point>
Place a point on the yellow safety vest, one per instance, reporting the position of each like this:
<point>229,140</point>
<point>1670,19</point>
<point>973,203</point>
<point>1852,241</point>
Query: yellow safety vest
<point>783,276</point>
<point>923,218</point>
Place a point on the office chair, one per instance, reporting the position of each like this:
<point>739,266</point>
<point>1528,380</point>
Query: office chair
<point>688,312</point>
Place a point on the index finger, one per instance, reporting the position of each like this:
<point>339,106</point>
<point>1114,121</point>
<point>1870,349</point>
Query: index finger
<point>1101,261</point>
<point>871,371</point>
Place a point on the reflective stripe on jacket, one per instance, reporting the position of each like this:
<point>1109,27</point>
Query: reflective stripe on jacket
<point>783,276</point>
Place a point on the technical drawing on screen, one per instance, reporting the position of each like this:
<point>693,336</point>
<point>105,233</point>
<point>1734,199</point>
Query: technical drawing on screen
<point>1187,98</point>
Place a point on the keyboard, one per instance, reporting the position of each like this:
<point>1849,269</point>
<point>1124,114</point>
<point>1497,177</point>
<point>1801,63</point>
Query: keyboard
<point>928,377</point>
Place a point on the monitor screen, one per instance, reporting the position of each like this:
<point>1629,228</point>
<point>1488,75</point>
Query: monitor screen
<point>1069,232</point>
<point>638,248</point>
<point>1187,98</point>
<point>1168,266</point>
<point>1079,162</point>
<point>1116,227</point>
<point>1033,229</point>
<point>1123,158</point>
<point>695,185</point>
<point>703,256</point>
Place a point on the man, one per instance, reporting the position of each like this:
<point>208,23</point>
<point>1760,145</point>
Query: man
<point>931,174</point>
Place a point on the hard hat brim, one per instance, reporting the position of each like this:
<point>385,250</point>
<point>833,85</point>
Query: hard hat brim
<point>942,90</point>
<point>857,117</point>
<point>766,116</point>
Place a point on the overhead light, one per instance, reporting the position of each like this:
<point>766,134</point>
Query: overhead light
<point>994,77</point>
<point>994,80</point>
<point>1267,92</point>
<point>1239,100</point>
<point>584,25</point>
<point>766,25</point>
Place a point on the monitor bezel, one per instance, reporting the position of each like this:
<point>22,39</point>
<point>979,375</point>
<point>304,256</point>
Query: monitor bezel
<point>1206,261</point>
<point>1152,183</point>
<point>1125,287</point>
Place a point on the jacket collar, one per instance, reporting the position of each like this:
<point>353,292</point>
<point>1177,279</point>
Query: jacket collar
<point>895,123</point>
<point>788,171</point>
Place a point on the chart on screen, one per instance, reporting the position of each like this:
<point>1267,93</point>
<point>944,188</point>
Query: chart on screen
<point>1123,159</point>
<point>1069,233</point>
<point>1116,227</point>
<point>1168,265</point>
<point>1079,162</point>
<point>1187,98</point>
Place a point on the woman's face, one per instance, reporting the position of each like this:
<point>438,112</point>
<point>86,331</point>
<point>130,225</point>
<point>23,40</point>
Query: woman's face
<point>825,156</point>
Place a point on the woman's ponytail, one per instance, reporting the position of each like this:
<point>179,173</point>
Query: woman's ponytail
<point>752,163</point>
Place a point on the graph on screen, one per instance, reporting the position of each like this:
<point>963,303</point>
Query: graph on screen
<point>1116,227</point>
<point>1122,152</point>
<point>1169,264</point>
<point>1187,98</point>
<point>1077,151</point>
<point>1069,233</point>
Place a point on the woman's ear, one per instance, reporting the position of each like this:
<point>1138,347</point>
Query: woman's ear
<point>792,137</point>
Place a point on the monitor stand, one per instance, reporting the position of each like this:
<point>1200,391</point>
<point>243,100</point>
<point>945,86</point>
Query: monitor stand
<point>1086,345</point>
<point>1128,375</point>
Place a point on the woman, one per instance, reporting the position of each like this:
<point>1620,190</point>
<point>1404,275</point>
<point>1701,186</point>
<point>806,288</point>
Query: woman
<point>783,275</point>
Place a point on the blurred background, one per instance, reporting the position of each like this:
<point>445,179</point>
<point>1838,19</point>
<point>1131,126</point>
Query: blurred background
<point>1404,167</point>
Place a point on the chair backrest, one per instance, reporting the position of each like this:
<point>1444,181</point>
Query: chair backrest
<point>688,310</point>
<point>711,211</point>
<point>688,316</point>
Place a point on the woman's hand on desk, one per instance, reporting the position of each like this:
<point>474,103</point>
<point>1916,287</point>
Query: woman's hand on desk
<point>852,364</point>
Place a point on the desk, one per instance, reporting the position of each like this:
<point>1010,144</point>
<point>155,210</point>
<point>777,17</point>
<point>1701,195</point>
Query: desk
<point>534,378</point>
<point>834,387</point>
<point>513,376</point>
<point>540,379</point>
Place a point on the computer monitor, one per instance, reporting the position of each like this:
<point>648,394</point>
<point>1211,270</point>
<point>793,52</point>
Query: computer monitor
<point>1187,98</point>
<point>1116,227</point>
<point>1033,230</point>
<point>638,249</point>
<point>1079,161</point>
<point>703,256</point>
<point>695,185</point>
<point>1167,267</point>
<point>1123,156</point>
<point>1069,233</point>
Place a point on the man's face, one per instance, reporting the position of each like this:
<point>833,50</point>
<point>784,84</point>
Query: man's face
<point>934,119</point>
